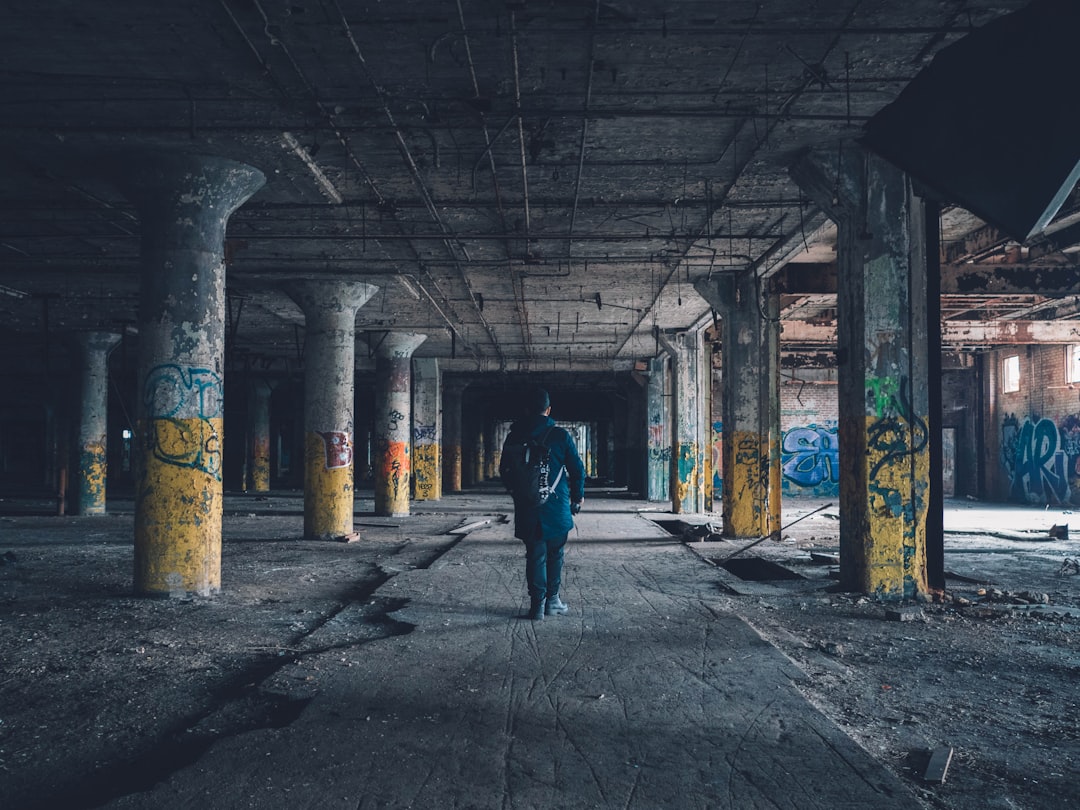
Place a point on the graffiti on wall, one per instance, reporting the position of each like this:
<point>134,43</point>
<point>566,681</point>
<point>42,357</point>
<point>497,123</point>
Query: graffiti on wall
<point>810,460</point>
<point>1036,456</point>
<point>180,404</point>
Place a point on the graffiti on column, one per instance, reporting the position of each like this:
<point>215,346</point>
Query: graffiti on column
<point>180,404</point>
<point>393,419</point>
<point>1035,458</point>
<point>717,458</point>
<point>810,459</point>
<point>339,451</point>
<point>425,463</point>
<point>896,434</point>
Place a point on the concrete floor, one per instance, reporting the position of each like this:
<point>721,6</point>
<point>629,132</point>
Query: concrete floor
<point>403,675</point>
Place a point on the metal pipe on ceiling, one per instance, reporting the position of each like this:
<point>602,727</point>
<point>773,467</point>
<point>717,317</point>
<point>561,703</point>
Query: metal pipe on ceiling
<point>515,278</point>
<point>450,239</point>
<point>584,126</point>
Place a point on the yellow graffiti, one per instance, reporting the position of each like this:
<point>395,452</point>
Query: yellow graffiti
<point>328,493</point>
<point>426,472</point>
<point>895,524</point>
<point>178,520</point>
<point>751,484</point>
<point>92,472</point>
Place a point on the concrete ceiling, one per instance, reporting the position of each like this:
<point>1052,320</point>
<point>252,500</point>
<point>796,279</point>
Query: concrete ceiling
<point>533,185</point>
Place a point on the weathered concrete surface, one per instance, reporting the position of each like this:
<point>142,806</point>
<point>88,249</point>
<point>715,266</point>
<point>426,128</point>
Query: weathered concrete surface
<point>646,695</point>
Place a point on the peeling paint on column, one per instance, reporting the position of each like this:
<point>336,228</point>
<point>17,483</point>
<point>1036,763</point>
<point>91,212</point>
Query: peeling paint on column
<point>426,471</point>
<point>747,485</point>
<point>338,450</point>
<point>92,471</point>
<point>328,487</point>
<point>687,480</point>
<point>393,421</point>
<point>178,530</point>
<point>427,426</point>
<point>898,464</point>
<point>260,463</point>
<point>392,479</point>
<point>184,202</point>
<point>93,348</point>
<point>329,366</point>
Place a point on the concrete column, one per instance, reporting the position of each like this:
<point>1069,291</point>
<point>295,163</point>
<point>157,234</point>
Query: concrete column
<point>883,369</point>
<point>687,465</point>
<point>750,343</point>
<point>659,438</point>
<point>258,450</point>
<point>492,451</point>
<point>393,421</point>
<point>329,383</point>
<point>427,430</point>
<point>479,454</point>
<point>452,432</point>
<point>184,202</point>
<point>93,348</point>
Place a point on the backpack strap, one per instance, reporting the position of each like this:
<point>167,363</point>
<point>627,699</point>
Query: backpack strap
<point>562,467</point>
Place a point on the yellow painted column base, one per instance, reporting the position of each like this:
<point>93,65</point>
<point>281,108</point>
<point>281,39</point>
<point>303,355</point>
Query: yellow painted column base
<point>751,485</point>
<point>452,455</point>
<point>328,485</point>
<point>260,465</point>
<point>894,536</point>
<point>178,514</point>
<point>92,472</point>
<point>392,498</point>
<point>426,473</point>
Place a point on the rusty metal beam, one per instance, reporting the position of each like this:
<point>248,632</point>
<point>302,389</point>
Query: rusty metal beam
<point>956,333</point>
<point>1012,279</point>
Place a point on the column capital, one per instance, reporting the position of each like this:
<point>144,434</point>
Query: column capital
<point>832,178</point>
<point>316,296</point>
<point>94,341</point>
<point>183,192</point>
<point>395,345</point>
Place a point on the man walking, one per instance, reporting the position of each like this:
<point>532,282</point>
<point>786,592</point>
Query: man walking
<point>544,527</point>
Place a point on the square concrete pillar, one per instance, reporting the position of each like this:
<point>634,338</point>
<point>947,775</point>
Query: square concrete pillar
<point>883,367</point>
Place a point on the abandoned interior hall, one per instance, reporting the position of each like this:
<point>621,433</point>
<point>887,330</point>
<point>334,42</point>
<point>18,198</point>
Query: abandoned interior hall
<point>801,278</point>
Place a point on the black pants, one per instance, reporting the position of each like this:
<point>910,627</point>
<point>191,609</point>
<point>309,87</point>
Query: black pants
<point>543,565</point>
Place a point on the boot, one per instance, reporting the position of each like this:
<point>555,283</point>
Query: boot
<point>536,610</point>
<point>555,606</point>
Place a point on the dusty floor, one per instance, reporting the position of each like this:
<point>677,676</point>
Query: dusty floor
<point>106,698</point>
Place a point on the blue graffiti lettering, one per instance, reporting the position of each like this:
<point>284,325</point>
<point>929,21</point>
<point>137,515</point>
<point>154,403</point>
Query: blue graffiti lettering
<point>1038,473</point>
<point>810,456</point>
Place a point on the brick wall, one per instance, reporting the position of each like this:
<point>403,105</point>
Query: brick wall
<point>1032,436</point>
<point>808,421</point>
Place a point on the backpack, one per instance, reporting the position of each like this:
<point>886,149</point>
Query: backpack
<point>526,471</point>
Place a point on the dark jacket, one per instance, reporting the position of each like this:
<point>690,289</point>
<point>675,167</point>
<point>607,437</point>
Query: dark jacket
<point>554,516</point>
